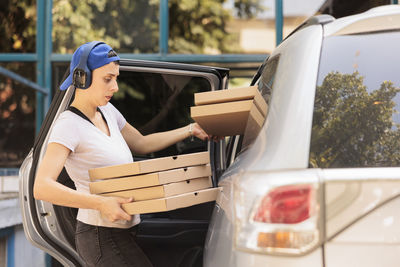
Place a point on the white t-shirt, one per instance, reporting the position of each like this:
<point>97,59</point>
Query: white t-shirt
<point>92,148</point>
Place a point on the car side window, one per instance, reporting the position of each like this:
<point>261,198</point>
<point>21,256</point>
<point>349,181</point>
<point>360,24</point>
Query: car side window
<point>265,85</point>
<point>155,102</point>
<point>356,121</point>
<point>266,82</point>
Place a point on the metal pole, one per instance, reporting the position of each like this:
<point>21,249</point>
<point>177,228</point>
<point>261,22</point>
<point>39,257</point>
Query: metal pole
<point>23,57</point>
<point>40,8</point>
<point>48,48</point>
<point>22,80</point>
<point>278,21</point>
<point>164,27</point>
<point>11,249</point>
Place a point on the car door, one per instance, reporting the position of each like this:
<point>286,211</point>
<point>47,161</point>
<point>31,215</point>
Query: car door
<point>153,96</point>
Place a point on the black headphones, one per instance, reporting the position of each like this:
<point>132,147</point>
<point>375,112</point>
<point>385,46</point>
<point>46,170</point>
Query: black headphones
<point>82,75</point>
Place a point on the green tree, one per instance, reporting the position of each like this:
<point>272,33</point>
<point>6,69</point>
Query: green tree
<point>131,26</point>
<point>248,8</point>
<point>17,29</point>
<point>17,26</point>
<point>352,127</point>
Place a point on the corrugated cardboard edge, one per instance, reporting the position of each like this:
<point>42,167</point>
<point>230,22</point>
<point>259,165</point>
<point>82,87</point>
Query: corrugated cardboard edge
<point>171,176</point>
<point>124,183</point>
<point>175,162</point>
<point>150,179</point>
<point>110,171</point>
<point>187,186</point>
<point>163,191</point>
<point>228,95</point>
<point>139,194</point>
<point>232,95</point>
<point>221,108</point>
<point>226,123</point>
<point>253,126</point>
<point>151,165</point>
<point>172,203</point>
<point>260,103</point>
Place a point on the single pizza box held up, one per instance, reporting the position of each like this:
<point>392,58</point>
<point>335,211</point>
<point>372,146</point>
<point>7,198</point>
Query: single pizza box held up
<point>231,95</point>
<point>165,190</point>
<point>151,165</point>
<point>150,179</point>
<point>171,203</point>
<point>226,119</point>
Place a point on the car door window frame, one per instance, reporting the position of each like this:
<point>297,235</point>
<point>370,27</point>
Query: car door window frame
<point>234,147</point>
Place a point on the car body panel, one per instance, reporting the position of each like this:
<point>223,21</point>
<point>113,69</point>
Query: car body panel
<point>372,241</point>
<point>353,193</point>
<point>287,128</point>
<point>360,217</point>
<point>288,123</point>
<point>389,14</point>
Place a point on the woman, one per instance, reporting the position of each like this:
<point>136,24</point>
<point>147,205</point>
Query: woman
<point>92,133</point>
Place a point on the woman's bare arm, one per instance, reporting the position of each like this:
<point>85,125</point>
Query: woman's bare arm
<point>48,189</point>
<point>154,142</point>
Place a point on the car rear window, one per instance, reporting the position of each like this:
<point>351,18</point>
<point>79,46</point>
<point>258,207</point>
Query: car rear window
<point>356,112</point>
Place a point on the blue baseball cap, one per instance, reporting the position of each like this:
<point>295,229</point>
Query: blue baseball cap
<point>100,55</point>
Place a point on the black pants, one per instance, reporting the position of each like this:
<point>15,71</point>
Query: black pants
<point>105,246</point>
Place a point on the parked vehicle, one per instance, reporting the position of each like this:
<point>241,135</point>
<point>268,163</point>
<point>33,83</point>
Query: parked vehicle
<point>318,186</point>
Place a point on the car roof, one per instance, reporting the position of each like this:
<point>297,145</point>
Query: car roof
<point>383,18</point>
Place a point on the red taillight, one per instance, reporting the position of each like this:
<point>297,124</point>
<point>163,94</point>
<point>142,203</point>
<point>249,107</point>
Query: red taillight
<point>286,204</point>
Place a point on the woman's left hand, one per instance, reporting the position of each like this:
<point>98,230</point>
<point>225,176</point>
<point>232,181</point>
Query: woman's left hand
<point>198,132</point>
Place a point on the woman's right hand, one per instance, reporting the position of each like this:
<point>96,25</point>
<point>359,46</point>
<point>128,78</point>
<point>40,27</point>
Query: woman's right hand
<point>110,208</point>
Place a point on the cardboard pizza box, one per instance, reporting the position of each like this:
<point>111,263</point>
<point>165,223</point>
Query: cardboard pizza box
<point>150,179</point>
<point>171,203</point>
<point>151,165</point>
<point>226,119</point>
<point>253,127</point>
<point>230,95</point>
<point>165,190</point>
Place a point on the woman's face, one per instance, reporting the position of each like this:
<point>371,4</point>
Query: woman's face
<point>104,84</point>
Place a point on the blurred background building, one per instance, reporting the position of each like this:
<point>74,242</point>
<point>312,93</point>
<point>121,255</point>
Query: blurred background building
<point>38,38</point>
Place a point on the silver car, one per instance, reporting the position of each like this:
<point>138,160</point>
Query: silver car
<point>318,185</point>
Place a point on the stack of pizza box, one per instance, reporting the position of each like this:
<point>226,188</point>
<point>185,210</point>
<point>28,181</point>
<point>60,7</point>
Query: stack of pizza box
<point>157,185</point>
<point>239,111</point>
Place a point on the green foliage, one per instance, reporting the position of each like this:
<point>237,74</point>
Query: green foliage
<point>17,116</point>
<point>354,128</point>
<point>127,25</point>
<point>199,27</point>
<point>132,26</point>
<point>17,26</point>
<point>248,8</point>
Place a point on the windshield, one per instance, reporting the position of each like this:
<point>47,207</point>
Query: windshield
<point>356,119</point>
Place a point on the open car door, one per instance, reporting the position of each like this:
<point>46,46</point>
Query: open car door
<point>153,97</point>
